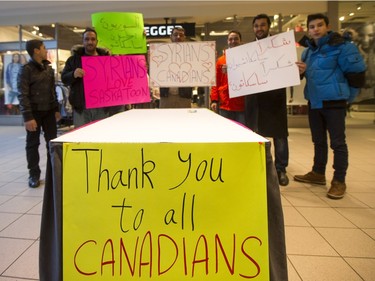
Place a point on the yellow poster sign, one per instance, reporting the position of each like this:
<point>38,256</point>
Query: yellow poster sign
<point>164,211</point>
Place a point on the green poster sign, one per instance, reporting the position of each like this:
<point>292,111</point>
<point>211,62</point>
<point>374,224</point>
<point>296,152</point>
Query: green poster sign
<point>121,33</point>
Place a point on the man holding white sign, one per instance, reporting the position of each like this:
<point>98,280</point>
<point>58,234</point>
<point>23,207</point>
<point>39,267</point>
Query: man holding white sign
<point>179,67</point>
<point>266,112</point>
<point>176,97</point>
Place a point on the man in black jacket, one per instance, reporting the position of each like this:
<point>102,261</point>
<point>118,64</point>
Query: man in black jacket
<point>266,112</point>
<point>38,105</point>
<point>72,75</point>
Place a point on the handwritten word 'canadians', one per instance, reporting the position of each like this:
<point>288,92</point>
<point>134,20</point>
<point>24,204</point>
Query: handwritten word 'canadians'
<point>115,80</point>
<point>182,64</point>
<point>153,255</point>
<point>263,65</point>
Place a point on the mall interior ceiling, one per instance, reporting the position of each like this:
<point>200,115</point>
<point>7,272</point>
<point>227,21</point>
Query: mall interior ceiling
<point>78,13</point>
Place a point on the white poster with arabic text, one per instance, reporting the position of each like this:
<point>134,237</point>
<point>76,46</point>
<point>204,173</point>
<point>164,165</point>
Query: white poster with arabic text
<point>263,65</point>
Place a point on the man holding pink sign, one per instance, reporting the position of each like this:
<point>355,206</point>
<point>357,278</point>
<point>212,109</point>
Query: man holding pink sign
<point>72,76</point>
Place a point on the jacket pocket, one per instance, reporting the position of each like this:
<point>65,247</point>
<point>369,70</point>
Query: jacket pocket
<point>328,60</point>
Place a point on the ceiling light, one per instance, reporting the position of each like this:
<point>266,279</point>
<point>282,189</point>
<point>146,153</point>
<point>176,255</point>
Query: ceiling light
<point>342,18</point>
<point>351,14</point>
<point>274,24</point>
<point>221,33</point>
<point>78,30</point>
<point>359,6</point>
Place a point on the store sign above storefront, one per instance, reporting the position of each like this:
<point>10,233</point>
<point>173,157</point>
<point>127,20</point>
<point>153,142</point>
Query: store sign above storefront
<point>165,30</point>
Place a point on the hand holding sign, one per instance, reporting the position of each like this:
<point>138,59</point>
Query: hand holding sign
<point>79,73</point>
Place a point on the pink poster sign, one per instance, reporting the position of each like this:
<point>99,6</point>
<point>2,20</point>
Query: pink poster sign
<point>115,80</point>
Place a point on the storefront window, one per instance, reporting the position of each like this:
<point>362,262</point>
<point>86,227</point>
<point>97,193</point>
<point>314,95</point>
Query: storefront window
<point>13,55</point>
<point>362,34</point>
<point>12,63</point>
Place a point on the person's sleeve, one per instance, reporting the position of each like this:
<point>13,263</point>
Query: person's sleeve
<point>356,80</point>
<point>353,66</point>
<point>54,92</point>
<point>24,94</point>
<point>214,96</point>
<point>303,59</point>
<point>7,75</point>
<point>67,75</point>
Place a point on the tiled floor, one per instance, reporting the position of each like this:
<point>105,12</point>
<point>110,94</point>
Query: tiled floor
<point>326,239</point>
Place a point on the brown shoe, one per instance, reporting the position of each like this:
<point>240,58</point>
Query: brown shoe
<point>311,177</point>
<point>337,189</point>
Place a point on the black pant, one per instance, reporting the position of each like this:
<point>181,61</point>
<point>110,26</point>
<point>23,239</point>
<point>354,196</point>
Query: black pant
<point>45,121</point>
<point>331,120</point>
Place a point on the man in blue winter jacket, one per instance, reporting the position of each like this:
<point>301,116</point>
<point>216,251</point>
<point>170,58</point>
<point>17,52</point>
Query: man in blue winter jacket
<point>334,72</point>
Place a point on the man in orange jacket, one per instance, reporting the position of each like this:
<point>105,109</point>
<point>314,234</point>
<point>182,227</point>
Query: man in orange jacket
<point>232,108</point>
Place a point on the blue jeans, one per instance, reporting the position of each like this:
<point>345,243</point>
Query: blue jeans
<point>331,120</point>
<point>238,116</point>
<point>281,149</point>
